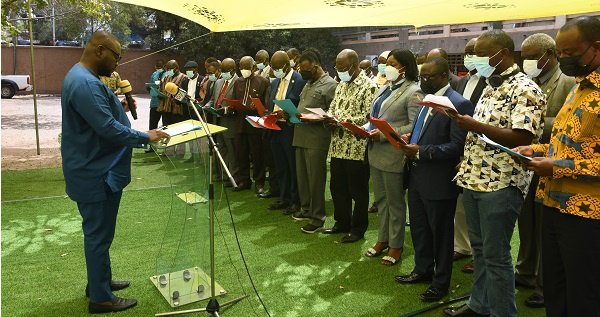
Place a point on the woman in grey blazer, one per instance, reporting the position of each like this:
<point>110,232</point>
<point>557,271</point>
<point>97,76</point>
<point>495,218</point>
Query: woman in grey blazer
<point>394,103</point>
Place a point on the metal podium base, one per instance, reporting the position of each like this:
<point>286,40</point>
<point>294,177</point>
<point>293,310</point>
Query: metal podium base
<point>185,286</point>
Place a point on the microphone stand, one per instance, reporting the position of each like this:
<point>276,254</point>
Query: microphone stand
<point>213,305</point>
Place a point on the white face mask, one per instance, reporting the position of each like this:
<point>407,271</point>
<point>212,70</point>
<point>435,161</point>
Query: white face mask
<point>530,67</point>
<point>469,64</point>
<point>246,73</point>
<point>292,63</point>
<point>392,73</point>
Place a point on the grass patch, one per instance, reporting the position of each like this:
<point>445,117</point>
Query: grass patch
<point>43,267</point>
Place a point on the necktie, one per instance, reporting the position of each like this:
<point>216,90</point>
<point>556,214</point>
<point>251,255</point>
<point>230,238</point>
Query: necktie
<point>377,106</point>
<point>222,94</point>
<point>419,125</point>
<point>280,93</point>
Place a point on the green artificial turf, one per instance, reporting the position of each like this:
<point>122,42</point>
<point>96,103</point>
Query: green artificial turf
<point>296,274</point>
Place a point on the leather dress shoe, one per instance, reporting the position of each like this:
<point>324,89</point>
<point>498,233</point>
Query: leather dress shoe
<point>469,267</point>
<point>462,311</point>
<point>291,209</point>
<point>242,186</point>
<point>258,190</point>
<point>433,294</point>
<point>351,237</point>
<point>116,304</point>
<point>269,194</point>
<point>114,286</point>
<point>535,301</point>
<point>458,256</point>
<point>278,205</point>
<point>413,278</point>
<point>334,230</point>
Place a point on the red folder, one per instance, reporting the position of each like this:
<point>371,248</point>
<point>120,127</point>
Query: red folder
<point>355,129</point>
<point>259,106</point>
<point>266,122</point>
<point>235,104</point>
<point>388,131</point>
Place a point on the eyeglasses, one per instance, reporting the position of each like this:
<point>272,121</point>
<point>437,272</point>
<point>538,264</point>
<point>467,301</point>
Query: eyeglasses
<point>345,70</point>
<point>430,77</point>
<point>117,55</point>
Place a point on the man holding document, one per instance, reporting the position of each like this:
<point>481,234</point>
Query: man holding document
<point>436,145</point>
<point>510,112</point>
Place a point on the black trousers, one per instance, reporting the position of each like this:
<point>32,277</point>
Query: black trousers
<point>245,144</point>
<point>154,118</point>
<point>571,264</point>
<point>350,181</point>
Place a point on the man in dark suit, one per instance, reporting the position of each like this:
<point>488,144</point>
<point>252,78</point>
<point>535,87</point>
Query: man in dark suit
<point>470,87</point>
<point>287,85</point>
<point>436,144</point>
<point>192,84</point>
<point>440,52</point>
<point>223,88</point>
<point>248,139</point>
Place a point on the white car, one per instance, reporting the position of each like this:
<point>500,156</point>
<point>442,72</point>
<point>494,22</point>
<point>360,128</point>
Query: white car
<point>13,83</point>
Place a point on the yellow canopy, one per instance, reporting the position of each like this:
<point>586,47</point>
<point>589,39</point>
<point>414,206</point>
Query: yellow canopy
<point>235,15</point>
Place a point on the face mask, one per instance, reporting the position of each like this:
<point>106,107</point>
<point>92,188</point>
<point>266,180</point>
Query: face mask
<point>292,63</point>
<point>212,77</point>
<point>482,64</point>
<point>469,63</point>
<point>572,66</point>
<point>381,68</point>
<point>306,75</point>
<point>260,66</point>
<point>160,70</point>
<point>246,73</point>
<point>530,67</point>
<point>344,76</point>
<point>170,72</point>
<point>189,73</point>
<point>226,76</point>
<point>279,73</point>
<point>429,87</point>
<point>392,73</point>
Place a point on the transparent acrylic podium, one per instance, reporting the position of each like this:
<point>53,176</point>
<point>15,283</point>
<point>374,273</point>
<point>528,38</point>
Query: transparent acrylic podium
<point>184,262</point>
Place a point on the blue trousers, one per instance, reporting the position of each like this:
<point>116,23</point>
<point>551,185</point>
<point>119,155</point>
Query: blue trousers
<point>98,224</point>
<point>491,218</point>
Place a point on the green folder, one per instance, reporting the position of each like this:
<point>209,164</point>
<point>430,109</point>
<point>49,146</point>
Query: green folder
<point>289,107</point>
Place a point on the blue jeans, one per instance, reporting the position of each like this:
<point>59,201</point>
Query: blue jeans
<point>491,218</point>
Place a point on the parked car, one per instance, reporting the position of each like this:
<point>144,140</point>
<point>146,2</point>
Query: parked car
<point>66,43</point>
<point>135,41</point>
<point>13,83</point>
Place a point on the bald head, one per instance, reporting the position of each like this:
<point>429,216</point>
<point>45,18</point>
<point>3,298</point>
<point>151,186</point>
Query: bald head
<point>262,56</point>
<point>247,62</point>
<point>437,52</point>
<point>470,47</point>
<point>102,53</point>
<point>279,59</point>
<point>228,64</point>
<point>349,55</point>
<point>347,61</point>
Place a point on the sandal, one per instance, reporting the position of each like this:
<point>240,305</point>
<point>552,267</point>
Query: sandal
<point>372,253</point>
<point>389,260</point>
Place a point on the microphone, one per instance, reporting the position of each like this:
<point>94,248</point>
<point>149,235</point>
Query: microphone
<point>126,89</point>
<point>178,93</point>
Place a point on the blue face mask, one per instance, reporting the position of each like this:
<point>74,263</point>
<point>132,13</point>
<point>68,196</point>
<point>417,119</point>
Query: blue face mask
<point>260,66</point>
<point>345,76</point>
<point>381,68</point>
<point>279,73</point>
<point>189,73</point>
<point>482,64</point>
<point>170,72</point>
<point>212,77</point>
<point>226,76</point>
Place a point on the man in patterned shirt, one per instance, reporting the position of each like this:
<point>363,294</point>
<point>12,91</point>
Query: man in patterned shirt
<point>569,187</point>
<point>510,112</point>
<point>349,173</point>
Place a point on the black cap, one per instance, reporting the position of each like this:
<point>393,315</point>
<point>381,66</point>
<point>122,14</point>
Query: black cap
<point>191,64</point>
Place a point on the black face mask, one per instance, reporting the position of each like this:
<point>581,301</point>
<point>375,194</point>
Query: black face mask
<point>572,66</point>
<point>429,87</point>
<point>306,75</point>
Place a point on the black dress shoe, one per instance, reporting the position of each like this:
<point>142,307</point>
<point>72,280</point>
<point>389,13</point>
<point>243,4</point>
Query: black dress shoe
<point>535,301</point>
<point>291,209</point>
<point>334,230</point>
<point>114,286</point>
<point>278,205</point>
<point>413,278</point>
<point>433,294</point>
<point>462,311</point>
<point>269,194</point>
<point>116,304</point>
<point>350,237</point>
<point>259,190</point>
